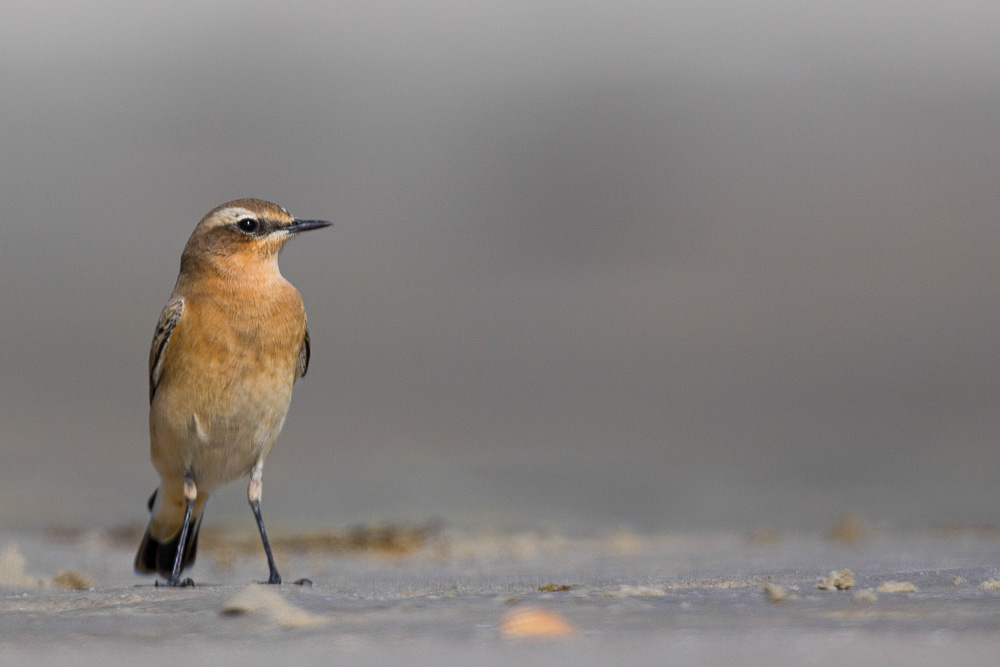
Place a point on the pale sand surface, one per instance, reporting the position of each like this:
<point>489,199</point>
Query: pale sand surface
<point>433,596</point>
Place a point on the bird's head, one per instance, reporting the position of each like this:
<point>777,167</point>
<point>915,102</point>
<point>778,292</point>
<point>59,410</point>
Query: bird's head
<point>242,234</point>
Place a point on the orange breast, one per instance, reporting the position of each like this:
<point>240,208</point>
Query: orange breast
<point>234,352</point>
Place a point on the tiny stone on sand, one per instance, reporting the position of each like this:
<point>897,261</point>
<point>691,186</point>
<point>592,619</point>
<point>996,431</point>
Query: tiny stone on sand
<point>535,623</point>
<point>896,587</point>
<point>12,570</point>
<point>775,592</point>
<point>72,580</point>
<point>840,580</point>
<point>270,603</point>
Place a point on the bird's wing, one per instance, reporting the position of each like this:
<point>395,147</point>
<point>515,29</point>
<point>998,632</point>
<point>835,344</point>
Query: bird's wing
<point>169,318</point>
<point>304,353</point>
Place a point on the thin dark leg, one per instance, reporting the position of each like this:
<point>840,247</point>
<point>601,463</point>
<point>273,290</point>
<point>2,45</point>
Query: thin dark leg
<point>274,577</point>
<point>175,576</point>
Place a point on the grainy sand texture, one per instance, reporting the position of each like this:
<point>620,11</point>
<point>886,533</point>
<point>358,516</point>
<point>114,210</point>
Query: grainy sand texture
<point>432,595</point>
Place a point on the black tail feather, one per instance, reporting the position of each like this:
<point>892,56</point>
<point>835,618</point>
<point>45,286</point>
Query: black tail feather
<point>152,499</point>
<point>155,557</point>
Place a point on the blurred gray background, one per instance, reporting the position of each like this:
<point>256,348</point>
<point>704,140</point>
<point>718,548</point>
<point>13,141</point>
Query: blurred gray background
<point>666,265</point>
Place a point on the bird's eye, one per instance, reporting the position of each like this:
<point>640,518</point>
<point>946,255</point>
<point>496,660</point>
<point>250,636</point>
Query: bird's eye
<point>247,225</point>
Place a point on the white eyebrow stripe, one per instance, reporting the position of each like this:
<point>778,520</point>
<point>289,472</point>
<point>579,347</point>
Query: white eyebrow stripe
<point>239,212</point>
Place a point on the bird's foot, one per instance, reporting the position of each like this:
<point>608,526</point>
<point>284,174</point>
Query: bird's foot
<point>303,582</point>
<point>275,578</point>
<point>177,582</point>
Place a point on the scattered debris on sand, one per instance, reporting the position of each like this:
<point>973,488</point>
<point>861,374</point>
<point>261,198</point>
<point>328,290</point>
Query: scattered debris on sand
<point>896,587</point>
<point>259,599</point>
<point>840,580</point>
<point>535,623</point>
<point>381,538</point>
<point>633,591</point>
<point>72,580</point>
<point>991,584</point>
<point>958,581</point>
<point>554,588</point>
<point>865,595</point>
<point>12,570</point>
<point>775,592</point>
<point>387,539</point>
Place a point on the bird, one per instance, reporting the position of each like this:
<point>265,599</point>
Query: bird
<point>228,346</point>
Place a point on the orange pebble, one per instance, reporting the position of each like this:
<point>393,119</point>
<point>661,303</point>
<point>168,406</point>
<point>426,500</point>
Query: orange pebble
<point>535,623</point>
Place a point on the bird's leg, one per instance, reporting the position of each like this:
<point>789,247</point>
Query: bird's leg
<point>253,493</point>
<point>190,495</point>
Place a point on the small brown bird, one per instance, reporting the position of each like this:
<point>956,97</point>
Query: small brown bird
<point>228,347</point>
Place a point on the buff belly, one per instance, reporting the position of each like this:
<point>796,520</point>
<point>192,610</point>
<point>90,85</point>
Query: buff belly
<point>216,441</point>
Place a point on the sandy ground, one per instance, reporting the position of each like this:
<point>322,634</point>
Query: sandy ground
<point>430,595</point>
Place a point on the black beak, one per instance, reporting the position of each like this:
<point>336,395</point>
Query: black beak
<point>306,225</point>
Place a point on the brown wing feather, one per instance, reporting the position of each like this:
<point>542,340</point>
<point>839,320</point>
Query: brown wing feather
<point>168,320</point>
<point>304,353</point>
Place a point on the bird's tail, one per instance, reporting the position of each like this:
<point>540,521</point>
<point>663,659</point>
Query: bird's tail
<point>158,548</point>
